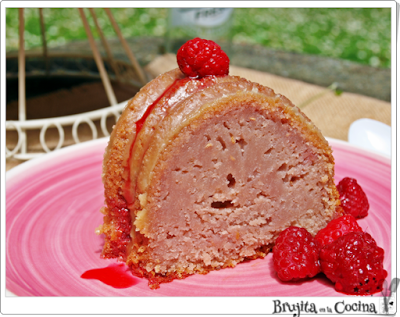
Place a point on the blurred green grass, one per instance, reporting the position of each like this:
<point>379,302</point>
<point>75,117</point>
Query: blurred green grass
<point>361,35</point>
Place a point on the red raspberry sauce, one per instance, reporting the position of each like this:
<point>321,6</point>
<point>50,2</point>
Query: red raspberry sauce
<point>139,125</point>
<point>168,92</point>
<point>115,275</point>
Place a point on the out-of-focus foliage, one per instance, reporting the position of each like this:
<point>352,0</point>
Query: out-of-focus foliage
<point>361,35</point>
<point>63,25</point>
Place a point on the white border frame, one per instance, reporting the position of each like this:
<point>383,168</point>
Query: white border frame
<point>188,305</point>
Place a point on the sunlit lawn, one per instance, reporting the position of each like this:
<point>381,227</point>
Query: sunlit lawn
<point>360,35</point>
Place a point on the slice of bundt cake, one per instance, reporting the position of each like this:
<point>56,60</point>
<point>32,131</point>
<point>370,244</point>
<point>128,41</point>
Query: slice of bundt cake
<point>203,173</point>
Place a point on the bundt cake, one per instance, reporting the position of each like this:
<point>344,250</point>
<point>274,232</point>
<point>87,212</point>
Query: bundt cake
<point>203,173</point>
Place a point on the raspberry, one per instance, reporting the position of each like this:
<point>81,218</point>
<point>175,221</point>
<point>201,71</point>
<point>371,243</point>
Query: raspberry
<point>354,263</point>
<point>337,228</point>
<point>295,254</point>
<point>353,199</point>
<point>200,58</point>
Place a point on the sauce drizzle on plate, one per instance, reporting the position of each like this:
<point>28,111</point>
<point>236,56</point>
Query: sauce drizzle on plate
<point>115,275</point>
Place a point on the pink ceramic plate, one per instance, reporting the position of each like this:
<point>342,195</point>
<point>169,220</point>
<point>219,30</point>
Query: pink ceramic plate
<point>52,212</point>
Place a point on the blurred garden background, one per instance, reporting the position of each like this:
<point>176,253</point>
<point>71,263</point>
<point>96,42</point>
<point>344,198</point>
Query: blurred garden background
<point>361,35</point>
<point>334,63</point>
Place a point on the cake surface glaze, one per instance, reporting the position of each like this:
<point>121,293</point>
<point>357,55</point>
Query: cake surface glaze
<point>201,174</point>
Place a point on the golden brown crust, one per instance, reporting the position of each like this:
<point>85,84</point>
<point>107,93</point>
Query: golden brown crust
<point>124,133</point>
<point>115,163</point>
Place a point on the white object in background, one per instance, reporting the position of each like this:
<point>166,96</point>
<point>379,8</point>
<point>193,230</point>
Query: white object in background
<point>372,135</point>
<point>184,24</point>
<point>206,17</point>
